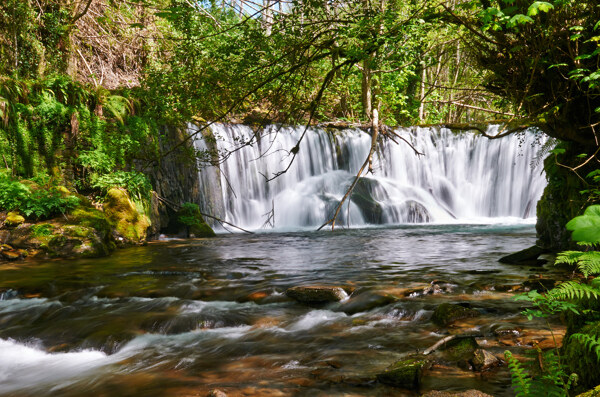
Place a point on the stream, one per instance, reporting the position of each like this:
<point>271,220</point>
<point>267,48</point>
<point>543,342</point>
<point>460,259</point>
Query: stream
<point>182,317</point>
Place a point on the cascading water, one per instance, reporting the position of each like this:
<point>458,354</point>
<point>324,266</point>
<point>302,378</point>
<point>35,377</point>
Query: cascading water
<point>462,177</point>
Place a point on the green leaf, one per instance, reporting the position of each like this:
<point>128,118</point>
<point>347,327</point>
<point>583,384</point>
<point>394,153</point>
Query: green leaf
<point>519,19</point>
<point>586,228</point>
<point>558,151</point>
<point>539,6</point>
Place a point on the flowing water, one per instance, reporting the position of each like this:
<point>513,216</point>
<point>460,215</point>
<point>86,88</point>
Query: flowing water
<point>183,317</point>
<point>178,318</point>
<point>461,177</point>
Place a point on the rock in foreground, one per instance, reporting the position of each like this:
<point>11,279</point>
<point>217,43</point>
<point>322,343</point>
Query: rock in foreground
<point>316,294</point>
<point>484,360</point>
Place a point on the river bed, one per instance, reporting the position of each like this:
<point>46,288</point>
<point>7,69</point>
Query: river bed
<point>183,317</point>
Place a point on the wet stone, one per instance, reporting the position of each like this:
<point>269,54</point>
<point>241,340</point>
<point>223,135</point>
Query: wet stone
<point>483,360</point>
<point>10,255</point>
<point>528,257</point>
<point>447,313</point>
<point>460,349</point>
<point>405,373</point>
<point>316,294</point>
<point>366,301</point>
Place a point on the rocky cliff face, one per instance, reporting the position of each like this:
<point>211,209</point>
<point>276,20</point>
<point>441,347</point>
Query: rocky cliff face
<point>175,181</point>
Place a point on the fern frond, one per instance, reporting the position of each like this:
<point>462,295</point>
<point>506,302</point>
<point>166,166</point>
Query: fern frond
<point>591,343</point>
<point>587,263</point>
<point>520,379</point>
<point>574,290</point>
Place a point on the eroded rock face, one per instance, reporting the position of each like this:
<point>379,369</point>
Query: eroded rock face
<point>483,360</point>
<point>316,294</point>
<point>447,313</point>
<point>405,373</point>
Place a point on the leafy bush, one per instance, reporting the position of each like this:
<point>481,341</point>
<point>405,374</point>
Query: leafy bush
<point>39,202</point>
<point>136,183</point>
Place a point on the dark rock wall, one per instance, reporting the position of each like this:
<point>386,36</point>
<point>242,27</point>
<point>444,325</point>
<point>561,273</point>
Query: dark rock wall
<point>174,179</point>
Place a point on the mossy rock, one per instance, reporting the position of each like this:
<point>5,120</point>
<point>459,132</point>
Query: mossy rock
<point>14,219</point>
<point>595,392</point>
<point>129,224</point>
<point>460,349</point>
<point>405,373</point>
<point>582,360</point>
<point>91,217</point>
<point>447,313</point>
<point>190,218</point>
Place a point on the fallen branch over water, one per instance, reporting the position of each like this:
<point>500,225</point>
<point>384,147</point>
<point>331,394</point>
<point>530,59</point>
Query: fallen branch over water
<point>445,340</point>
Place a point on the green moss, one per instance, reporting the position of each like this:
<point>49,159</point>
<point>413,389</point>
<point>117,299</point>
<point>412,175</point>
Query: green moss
<point>42,230</point>
<point>124,217</point>
<point>405,373</point>
<point>90,217</point>
<point>189,216</point>
<point>460,349</point>
<point>595,392</point>
<point>13,219</point>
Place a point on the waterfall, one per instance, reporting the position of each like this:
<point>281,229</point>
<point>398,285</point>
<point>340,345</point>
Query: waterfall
<point>461,178</point>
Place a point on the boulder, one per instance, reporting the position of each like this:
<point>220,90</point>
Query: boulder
<point>483,360</point>
<point>447,313</point>
<point>129,223</point>
<point>216,393</point>
<point>13,219</point>
<point>10,255</point>
<point>316,294</point>
<point>459,349</point>
<point>362,195</point>
<point>528,257</point>
<point>405,373</point>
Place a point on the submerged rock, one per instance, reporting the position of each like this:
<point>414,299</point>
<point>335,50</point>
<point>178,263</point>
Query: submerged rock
<point>447,313</point>
<point>483,360</point>
<point>316,294</point>
<point>366,301</point>
<point>405,373</point>
<point>528,257</point>
<point>416,212</point>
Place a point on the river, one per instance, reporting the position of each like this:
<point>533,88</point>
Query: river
<point>182,317</point>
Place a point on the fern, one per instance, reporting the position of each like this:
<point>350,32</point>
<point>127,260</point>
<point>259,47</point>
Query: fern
<point>591,343</point>
<point>520,379</point>
<point>587,263</point>
<point>574,290</point>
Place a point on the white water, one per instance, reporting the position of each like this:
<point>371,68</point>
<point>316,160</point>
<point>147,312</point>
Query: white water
<point>462,178</point>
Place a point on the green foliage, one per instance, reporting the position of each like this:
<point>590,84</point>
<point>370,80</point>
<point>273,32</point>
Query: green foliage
<point>34,201</point>
<point>586,228</point>
<point>189,215</point>
<point>590,342</point>
<point>521,382</point>
<point>136,183</point>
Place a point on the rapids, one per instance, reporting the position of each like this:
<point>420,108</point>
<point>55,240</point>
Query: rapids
<point>183,317</point>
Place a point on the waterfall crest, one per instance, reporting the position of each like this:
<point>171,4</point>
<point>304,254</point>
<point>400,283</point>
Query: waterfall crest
<point>462,178</point>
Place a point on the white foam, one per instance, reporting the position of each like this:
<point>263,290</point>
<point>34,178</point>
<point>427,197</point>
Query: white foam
<point>24,367</point>
<point>314,318</point>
